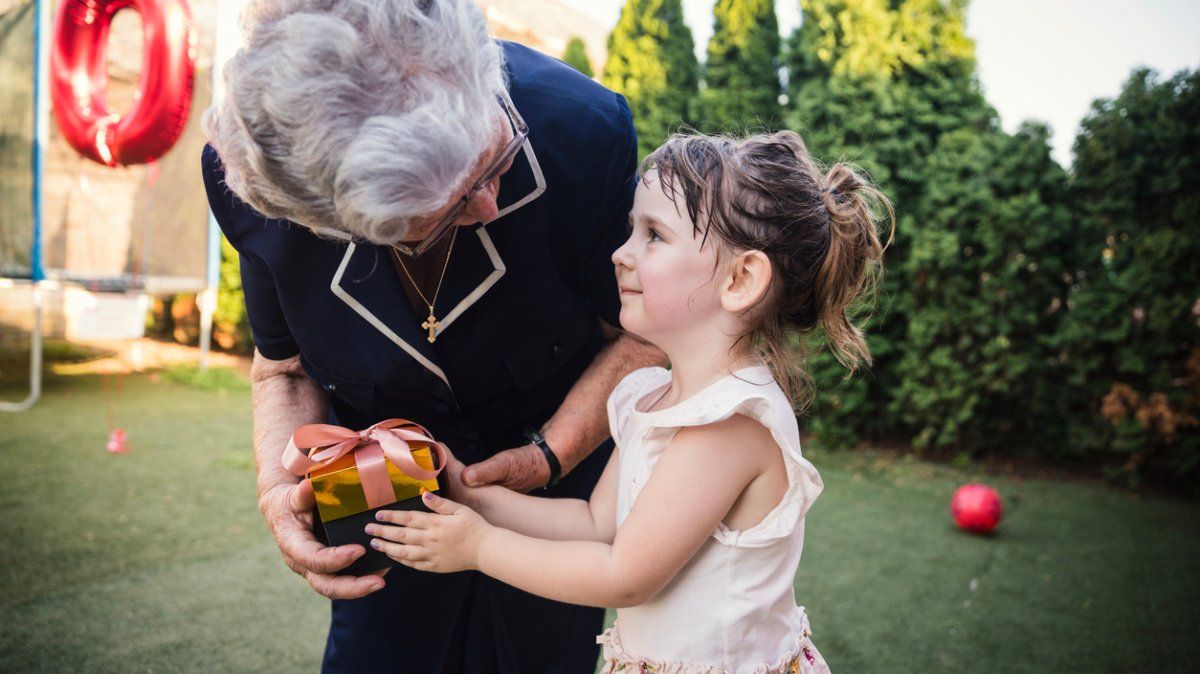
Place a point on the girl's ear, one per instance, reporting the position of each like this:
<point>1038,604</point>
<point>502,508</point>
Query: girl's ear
<point>746,281</point>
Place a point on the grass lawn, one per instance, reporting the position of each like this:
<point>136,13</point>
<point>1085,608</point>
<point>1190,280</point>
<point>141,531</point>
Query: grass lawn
<point>159,562</point>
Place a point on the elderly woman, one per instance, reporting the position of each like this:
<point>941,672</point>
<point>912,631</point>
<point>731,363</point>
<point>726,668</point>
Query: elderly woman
<point>425,218</point>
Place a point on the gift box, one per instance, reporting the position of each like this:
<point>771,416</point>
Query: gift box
<point>355,473</point>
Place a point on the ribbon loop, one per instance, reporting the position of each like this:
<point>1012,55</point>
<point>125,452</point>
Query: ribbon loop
<point>373,448</point>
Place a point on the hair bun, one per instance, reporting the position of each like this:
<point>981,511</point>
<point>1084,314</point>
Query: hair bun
<point>840,182</point>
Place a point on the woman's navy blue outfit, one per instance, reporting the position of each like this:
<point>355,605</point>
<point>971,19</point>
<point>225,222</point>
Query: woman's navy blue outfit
<point>520,307</point>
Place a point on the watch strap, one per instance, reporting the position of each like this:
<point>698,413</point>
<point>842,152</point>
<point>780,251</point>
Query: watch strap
<point>535,437</point>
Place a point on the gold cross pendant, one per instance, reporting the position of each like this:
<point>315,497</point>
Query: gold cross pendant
<point>433,325</point>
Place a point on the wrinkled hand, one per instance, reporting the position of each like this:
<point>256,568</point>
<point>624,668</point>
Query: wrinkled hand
<point>288,509</point>
<point>521,469</point>
<point>455,486</point>
<point>445,541</point>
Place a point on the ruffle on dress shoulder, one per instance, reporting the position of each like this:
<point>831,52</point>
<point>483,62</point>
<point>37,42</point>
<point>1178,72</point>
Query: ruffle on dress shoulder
<point>755,394</point>
<point>769,407</point>
<point>626,394</point>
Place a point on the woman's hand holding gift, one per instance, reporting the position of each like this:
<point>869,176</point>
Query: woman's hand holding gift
<point>457,488</point>
<point>447,540</point>
<point>454,470</point>
<point>288,509</point>
<point>520,469</point>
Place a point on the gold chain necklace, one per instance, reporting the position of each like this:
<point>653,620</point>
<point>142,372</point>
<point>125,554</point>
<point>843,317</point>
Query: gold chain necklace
<point>432,324</point>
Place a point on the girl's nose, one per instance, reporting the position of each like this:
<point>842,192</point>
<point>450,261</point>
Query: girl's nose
<point>621,257</point>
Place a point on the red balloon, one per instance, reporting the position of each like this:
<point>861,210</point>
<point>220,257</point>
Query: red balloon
<point>79,82</point>
<point>976,508</point>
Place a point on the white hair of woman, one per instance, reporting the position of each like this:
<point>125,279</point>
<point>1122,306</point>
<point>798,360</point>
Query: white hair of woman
<point>357,115</point>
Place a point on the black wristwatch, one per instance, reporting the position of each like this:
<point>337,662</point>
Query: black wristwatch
<point>535,437</point>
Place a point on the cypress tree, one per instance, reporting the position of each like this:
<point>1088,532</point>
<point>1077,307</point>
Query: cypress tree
<point>575,56</point>
<point>651,61</point>
<point>878,83</point>
<point>741,73</point>
<point>988,276</point>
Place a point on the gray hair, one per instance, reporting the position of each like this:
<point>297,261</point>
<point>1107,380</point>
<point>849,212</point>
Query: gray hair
<point>357,115</point>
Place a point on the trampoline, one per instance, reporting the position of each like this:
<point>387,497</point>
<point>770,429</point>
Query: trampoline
<point>69,222</point>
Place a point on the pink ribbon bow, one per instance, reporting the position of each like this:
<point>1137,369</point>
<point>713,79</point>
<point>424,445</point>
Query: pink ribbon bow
<point>373,448</point>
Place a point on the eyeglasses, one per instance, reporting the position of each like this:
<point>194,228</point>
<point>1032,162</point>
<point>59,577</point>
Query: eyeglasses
<point>499,164</point>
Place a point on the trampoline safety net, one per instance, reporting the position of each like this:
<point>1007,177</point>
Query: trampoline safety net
<point>16,137</point>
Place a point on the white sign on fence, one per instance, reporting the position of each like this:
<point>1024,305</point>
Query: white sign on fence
<point>96,315</point>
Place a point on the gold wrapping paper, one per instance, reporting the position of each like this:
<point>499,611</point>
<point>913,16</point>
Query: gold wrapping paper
<point>339,492</point>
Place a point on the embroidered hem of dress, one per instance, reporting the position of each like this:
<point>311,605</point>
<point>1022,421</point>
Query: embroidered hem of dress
<point>802,658</point>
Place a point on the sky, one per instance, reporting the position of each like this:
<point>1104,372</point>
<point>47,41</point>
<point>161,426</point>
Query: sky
<point>1038,59</point>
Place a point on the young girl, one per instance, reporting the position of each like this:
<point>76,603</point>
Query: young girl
<point>695,529</point>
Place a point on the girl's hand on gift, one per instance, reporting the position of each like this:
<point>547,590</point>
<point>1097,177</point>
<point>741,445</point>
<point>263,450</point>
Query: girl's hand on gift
<point>444,541</point>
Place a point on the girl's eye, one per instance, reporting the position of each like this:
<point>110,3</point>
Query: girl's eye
<point>652,234</point>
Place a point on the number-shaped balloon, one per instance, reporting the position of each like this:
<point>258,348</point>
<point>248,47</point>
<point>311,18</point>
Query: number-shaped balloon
<point>79,82</point>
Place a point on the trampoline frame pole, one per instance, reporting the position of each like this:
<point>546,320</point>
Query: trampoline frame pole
<point>208,297</point>
<point>228,39</point>
<point>41,128</point>
<point>35,358</point>
<point>41,136</point>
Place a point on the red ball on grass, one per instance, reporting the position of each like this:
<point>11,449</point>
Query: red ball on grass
<point>976,508</point>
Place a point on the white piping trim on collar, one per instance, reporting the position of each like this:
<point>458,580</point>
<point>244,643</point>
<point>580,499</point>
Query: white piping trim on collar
<point>498,270</point>
<point>335,286</point>
<point>539,179</point>
<point>331,233</point>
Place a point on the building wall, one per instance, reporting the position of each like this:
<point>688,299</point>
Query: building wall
<point>546,26</point>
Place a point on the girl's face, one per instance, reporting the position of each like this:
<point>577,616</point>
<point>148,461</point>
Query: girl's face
<point>667,281</point>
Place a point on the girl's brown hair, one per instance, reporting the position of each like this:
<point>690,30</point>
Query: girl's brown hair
<point>818,228</point>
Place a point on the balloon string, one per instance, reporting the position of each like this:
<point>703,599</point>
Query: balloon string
<point>85,191</point>
<point>109,397</point>
<point>147,232</point>
<point>113,393</point>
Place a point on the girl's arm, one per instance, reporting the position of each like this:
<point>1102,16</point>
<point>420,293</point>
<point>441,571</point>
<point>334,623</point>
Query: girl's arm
<point>556,519</point>
<point>696,482</point>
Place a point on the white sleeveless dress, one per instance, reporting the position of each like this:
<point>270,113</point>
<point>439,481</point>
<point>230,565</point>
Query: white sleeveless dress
<point>731,609</point>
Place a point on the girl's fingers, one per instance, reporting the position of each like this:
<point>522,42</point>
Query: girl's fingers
<point>442,506</point>
<point>400,517</point>
<point>405,518</point>
<point>398,551</point>
<point>402,535</point>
